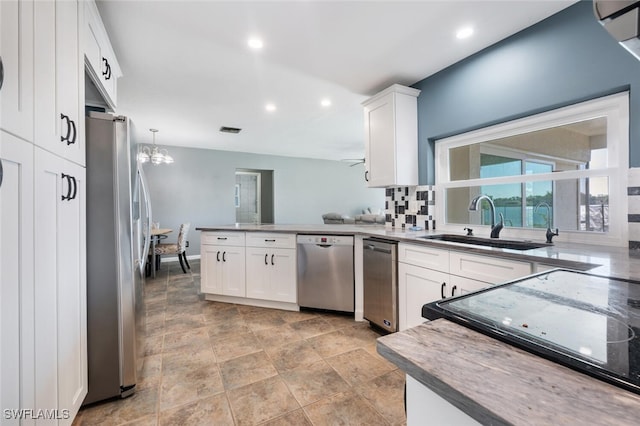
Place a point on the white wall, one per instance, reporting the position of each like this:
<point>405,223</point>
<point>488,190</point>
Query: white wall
<point>199,188</point>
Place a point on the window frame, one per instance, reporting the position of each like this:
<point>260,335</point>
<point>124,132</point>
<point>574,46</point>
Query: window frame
<point>616,110</point>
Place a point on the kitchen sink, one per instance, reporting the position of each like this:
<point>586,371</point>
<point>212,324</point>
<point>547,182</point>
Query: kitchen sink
<point>488,242</point>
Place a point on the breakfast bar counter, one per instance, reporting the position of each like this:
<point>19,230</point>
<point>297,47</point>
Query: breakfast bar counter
<point>496,383</point>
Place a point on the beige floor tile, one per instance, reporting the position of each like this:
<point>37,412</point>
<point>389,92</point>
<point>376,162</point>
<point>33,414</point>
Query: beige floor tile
<point>189,341</point>
<point>276,367</point>
<point>179,389</point>
<point>261,401</point>
<point>338,321</point>
<point>183,322</point>
<point>150,366</point>
<point>295,316</point>
<point>187,361</point>
<point>333,343</point>
<point>247,369</point>
<point>144,421</point>
<point>205,412</point>
<point>225,329</point>
<point>276,337</point>
<point>141,404</point>
<point>312,327</point>
<point>262,320</point>
<point>294,418</point>
<point>236,345</point>
<point>294,355</point>
<point>347,408</point>
<point>386,395</point>
<point>314,382</point>
<point>153,345</point>
<point>358,366</point>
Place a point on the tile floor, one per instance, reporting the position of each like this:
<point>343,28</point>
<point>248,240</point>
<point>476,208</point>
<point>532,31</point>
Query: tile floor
<point>209,363</point>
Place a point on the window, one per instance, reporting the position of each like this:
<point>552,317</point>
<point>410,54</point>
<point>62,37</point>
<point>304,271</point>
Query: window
<point>565,169</point>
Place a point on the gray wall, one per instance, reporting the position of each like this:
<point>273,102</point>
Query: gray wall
<point>199,188</point>
<point>564,59</point>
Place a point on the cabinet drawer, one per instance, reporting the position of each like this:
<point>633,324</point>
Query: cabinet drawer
<point>491,270</point>
<point>276,240</point>
<point>223,238</point>
<point>424,256</point>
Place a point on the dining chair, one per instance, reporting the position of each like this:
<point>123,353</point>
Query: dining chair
<point>178,248</point>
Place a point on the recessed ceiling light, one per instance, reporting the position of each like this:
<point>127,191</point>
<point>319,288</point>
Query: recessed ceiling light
<point>255,43</point>
<point>325,102</point>
<point>464,32</point>
<point>270,107</point>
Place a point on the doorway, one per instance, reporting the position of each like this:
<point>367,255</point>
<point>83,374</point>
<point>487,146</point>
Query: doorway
<point>253,197</point>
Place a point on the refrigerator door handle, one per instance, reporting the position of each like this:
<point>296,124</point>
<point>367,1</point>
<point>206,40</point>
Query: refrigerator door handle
<point>147,203</point>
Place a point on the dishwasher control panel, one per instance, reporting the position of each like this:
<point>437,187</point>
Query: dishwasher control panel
<point>334,240</point>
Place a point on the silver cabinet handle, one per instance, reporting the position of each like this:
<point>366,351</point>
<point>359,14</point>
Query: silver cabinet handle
<point>0,165</point>
<point>1,73</point>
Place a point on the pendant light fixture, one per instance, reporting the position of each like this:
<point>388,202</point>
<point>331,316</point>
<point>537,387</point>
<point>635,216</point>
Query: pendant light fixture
<point>154,155</point>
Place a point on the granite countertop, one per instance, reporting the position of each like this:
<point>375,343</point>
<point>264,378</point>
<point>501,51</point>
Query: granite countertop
<point>496,383</point>
<point>618,262</point>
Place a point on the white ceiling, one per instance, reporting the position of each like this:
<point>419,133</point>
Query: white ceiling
<point>188,71</point>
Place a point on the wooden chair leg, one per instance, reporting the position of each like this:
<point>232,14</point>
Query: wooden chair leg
<point>182,264</point>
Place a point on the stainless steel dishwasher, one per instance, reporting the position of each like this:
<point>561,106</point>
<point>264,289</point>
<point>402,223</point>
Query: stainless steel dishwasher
<point>325,272</point>
<point>381,283</point>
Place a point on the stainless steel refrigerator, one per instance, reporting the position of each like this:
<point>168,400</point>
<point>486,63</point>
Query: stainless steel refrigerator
<point>115,285</point>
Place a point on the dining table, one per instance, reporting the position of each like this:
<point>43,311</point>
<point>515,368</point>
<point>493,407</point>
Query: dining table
<point>156,235</point>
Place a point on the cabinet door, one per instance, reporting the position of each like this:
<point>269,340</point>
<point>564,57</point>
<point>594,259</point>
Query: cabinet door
<point>102,66</point>
<point>60,283</point>
<point>258,273</point>
<point>211,269</point>
<point>16,274</point>
<point>380,142</point>
<point>417,286</point>
<point>16,51</point>
<point>461,285</point>
<point>58,114</point>
<point>282,265</point>
<point>233,267</point>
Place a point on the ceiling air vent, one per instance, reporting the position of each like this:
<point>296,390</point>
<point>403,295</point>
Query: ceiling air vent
<point>225,129</point>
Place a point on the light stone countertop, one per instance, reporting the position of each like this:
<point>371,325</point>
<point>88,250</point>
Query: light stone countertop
<point>618,262</point>
<point>497,383</point>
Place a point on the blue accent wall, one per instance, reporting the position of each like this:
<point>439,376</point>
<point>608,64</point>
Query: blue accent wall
<point>567,58</point>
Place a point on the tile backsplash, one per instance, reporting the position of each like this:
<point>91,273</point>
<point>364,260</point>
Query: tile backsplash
<point>407,206</point>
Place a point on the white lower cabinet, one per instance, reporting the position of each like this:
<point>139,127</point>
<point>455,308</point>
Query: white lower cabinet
<point>223,263</point>
<point>271,274</point>
<point>423,403</point>
<point>17,389</point>
<point>427,274</point>
<point>417,286</point>
<point>253,268</point>
<point>60,285</point>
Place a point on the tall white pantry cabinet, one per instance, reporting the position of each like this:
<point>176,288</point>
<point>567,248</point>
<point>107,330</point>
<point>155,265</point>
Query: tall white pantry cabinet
<point>43,352</point>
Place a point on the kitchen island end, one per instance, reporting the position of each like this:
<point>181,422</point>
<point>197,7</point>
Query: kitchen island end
<point>496,383</point>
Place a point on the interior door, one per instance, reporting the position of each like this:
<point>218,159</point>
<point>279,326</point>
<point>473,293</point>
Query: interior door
<point>247,197</point>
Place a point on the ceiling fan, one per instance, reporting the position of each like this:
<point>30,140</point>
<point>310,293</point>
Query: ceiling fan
<point>355,161</point>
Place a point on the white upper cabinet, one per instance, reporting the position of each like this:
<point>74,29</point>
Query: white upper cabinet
<point>100,61</point>
<point>391,137</point>
<point>16,51</point>
<point>59,110</point>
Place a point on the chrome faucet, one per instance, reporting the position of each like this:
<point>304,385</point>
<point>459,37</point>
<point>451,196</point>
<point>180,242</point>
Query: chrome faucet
<point>495,229</point>
<point>550,234</point>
